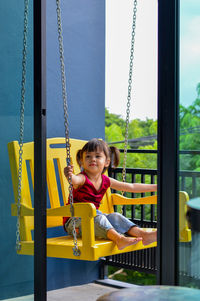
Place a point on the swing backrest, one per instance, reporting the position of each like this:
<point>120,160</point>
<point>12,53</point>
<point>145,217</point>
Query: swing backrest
<point>57,185</point>
<point>27,183</point>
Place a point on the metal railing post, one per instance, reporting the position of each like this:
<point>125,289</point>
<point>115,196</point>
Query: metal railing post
<point>40,150</point>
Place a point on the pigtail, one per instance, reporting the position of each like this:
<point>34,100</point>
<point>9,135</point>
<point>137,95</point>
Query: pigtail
<point>79,157</point>
<point>114,156</point>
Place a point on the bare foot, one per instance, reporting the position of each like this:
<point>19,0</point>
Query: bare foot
<point>149,237</point>
<point>124,242</point>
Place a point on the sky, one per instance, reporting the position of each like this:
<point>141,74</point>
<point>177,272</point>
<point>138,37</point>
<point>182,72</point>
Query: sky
<point>144,86</point>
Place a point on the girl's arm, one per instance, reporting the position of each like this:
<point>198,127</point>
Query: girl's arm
<point>77,180</point>
<point>132,187</point>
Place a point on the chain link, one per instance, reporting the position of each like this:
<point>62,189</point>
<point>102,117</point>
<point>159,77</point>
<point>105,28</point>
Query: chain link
<point>76,250</point>
<point>21,134</point>
<point>129,90</point>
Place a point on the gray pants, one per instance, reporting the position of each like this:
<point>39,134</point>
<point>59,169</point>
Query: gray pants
<point>102,223</point>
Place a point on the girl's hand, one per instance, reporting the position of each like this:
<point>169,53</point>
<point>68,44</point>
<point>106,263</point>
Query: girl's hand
<point>68,171</point>
<point>76,180</point>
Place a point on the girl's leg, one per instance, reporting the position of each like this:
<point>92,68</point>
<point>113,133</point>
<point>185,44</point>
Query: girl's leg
<point>147,236</point>
<point>104,229</point>
<point>119,222</point>
<point>123,225</point>
<point>122,241</point>
<point>69,226</point>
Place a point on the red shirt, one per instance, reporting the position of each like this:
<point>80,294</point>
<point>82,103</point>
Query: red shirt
<point>87,193</point>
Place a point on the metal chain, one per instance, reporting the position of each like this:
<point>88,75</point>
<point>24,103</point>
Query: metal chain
<point>76,250</point>
<point>21,134</point>
<point>129,89</point>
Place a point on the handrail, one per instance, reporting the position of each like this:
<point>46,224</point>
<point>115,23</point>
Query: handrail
<point>154,151</point>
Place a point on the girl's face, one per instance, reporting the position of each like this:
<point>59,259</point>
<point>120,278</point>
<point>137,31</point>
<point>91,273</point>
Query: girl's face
<point>94,162</point>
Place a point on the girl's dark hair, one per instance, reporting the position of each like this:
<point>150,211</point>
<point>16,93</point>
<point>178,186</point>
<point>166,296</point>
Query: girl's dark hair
<point>95,144</point>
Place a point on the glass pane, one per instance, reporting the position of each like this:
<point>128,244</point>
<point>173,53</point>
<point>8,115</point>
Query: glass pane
<point>189,245</point>
<point>16,271</point>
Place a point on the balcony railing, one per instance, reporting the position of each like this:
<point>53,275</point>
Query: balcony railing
<point>146,215</point>
<point>143,216</point>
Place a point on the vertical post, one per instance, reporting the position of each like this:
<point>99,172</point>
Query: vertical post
<point>168,103</point>
<point>39,150</point>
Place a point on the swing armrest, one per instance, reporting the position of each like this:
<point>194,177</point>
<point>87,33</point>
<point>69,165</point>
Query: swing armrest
<point>80,210</point>
<point>24,210</point>
<point>87,212</point>
<point>118,199</point>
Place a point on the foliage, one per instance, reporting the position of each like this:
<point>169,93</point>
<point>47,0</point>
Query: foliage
<point>113,119</point>
<point>140,128</point>
<point>115,127</point>
<point>189,133</point>
<point>133,277</point>
<point>115,131</point>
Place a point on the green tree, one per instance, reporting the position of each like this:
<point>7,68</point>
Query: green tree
<point>115,131</point>
<point>190,139</point>
<point>189,133</point>
<point>111,119</point>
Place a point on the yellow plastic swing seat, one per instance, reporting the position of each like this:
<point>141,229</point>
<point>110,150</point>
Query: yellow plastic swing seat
<point>62,247</point>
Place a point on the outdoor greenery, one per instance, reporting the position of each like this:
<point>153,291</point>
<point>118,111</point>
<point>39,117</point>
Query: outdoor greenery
<point>190,140</point>
<point>115,131</point>
<point>189,130</point>
<point>130,276</point>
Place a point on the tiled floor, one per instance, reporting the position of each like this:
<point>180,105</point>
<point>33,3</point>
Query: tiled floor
<point>87,292</point>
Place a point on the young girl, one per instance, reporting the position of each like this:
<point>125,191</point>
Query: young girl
<point>90,186</point>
